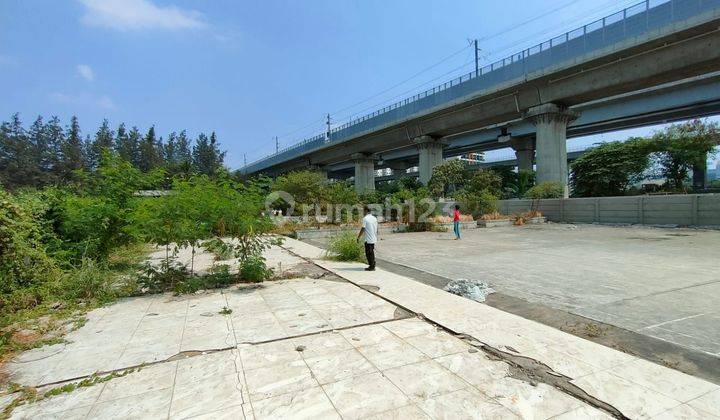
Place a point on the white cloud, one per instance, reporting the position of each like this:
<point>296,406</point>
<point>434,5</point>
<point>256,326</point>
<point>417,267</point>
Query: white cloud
<point>86,72</point>
<point>84,100</point>
<point>134,15</point>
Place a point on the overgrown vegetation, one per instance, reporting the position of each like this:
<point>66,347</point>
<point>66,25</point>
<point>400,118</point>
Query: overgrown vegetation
<point>346,247</point>
<point>546,190</point>
<point>67,248</point>
<point>670,155</point>
<point>48,154</point>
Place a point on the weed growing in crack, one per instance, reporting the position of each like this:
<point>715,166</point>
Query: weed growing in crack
<point>225,311</point>
<point>31,395</point>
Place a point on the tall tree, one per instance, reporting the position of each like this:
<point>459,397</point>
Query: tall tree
<point>104,139</point>
<point>684,146</point>
<point>206,155</point>
<point>73,154</point>
<point>132,148</point>
<point>170,150</point>
<point>55,137</point>
<point>149,158</point>
<point>16,156</point>
<point>122,145</point>
<point>610,168</point>
<point>36,173</point>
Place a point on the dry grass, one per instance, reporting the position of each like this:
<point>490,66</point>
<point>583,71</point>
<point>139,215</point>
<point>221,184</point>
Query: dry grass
<point>448,219</point>
<point>494,216</point>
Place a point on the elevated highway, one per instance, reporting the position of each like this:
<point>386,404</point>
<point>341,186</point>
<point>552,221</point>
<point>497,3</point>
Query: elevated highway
<point>650,63</point>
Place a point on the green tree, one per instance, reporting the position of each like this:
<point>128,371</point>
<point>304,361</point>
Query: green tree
<point>448,177</point>
<point>17,160</point>
<point>546,190</point>
<point>206,155</point>
<point>306,187</point>
<point>484,180</point>
<point>124,146</point>
<point>610,168</point>
<point>339,192</point>
<point>683,146</point>
<point>98,220</point>
<point>149,157</point>
<point>104,140</point>
<point>73,154</point>
<point>52,160</point>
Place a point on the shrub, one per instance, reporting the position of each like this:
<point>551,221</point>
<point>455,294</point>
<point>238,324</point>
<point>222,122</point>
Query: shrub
<point>346,247</point>
<point>24,265</point>
<point>485,180</point>
<point>477,204</point>
<point>88,281</point>
<point>546,190</point>
<point>219,276</point>
<point>254,269</point>
<point>157,279</point>
<point>217,246</point>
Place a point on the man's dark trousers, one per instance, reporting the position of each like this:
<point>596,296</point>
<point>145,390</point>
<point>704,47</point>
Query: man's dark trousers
<point>370,254</point>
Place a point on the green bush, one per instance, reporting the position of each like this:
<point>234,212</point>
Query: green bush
<point>91,280</point>
<point>219,276</point>
<point>477,204</point>
<point>253,269</point>
<point>346,247</point>
<point>220,248</point>
<point>158,279</point>
<point>24,266</point>
<point>546,190</point>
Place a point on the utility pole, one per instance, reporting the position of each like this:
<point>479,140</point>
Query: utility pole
<point>244,159</point>
<point>327,134</point>
<point>277,148</point>
<point>477,70</point>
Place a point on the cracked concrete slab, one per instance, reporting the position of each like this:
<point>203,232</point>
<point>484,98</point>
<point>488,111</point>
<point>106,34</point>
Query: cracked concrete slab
<point>389,362</point>
<point>661,283</point>
<point>514,337</point>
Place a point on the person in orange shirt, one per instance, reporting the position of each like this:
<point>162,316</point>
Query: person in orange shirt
<point>456,221</point>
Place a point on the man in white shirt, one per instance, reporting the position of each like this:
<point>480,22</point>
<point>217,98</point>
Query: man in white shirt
<point>369,228</point>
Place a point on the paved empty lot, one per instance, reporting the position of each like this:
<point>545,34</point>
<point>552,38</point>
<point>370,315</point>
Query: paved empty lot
<point>663,283</point>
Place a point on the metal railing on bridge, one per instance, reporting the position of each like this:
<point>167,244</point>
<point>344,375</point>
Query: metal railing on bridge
<point>632,21</point>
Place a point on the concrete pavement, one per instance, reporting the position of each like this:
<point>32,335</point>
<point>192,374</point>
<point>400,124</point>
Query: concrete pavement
<point>663,283</point>
<point>350,344</point>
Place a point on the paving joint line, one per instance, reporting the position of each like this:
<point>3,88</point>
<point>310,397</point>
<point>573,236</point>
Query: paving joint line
<point>541,372</point>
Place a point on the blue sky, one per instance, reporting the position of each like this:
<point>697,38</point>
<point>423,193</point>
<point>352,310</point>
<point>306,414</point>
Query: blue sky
<point>252,70</point>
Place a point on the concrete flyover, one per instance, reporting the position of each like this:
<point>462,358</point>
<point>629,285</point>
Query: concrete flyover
<point>640,66</point>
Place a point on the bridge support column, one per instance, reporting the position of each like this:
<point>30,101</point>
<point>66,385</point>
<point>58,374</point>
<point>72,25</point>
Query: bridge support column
<point>700,174</point>
<point>430,156</point>
<point>364,173</point>
<point>524,153</point>
<point>551,123</point>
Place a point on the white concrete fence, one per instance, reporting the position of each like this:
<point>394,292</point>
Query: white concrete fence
<point>682,210</point>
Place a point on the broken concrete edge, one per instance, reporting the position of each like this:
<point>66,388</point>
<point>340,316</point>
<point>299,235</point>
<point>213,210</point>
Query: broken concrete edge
<point>655,350</point>
<point>528,367</point>
<point>28,394</point>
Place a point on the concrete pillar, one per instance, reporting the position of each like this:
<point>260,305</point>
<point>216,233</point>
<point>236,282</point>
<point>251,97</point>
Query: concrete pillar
<point>524,153</point>
<point>551,123</point>
<point>430,156</point>
<point>364,173</point>
<point>699,179</point>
